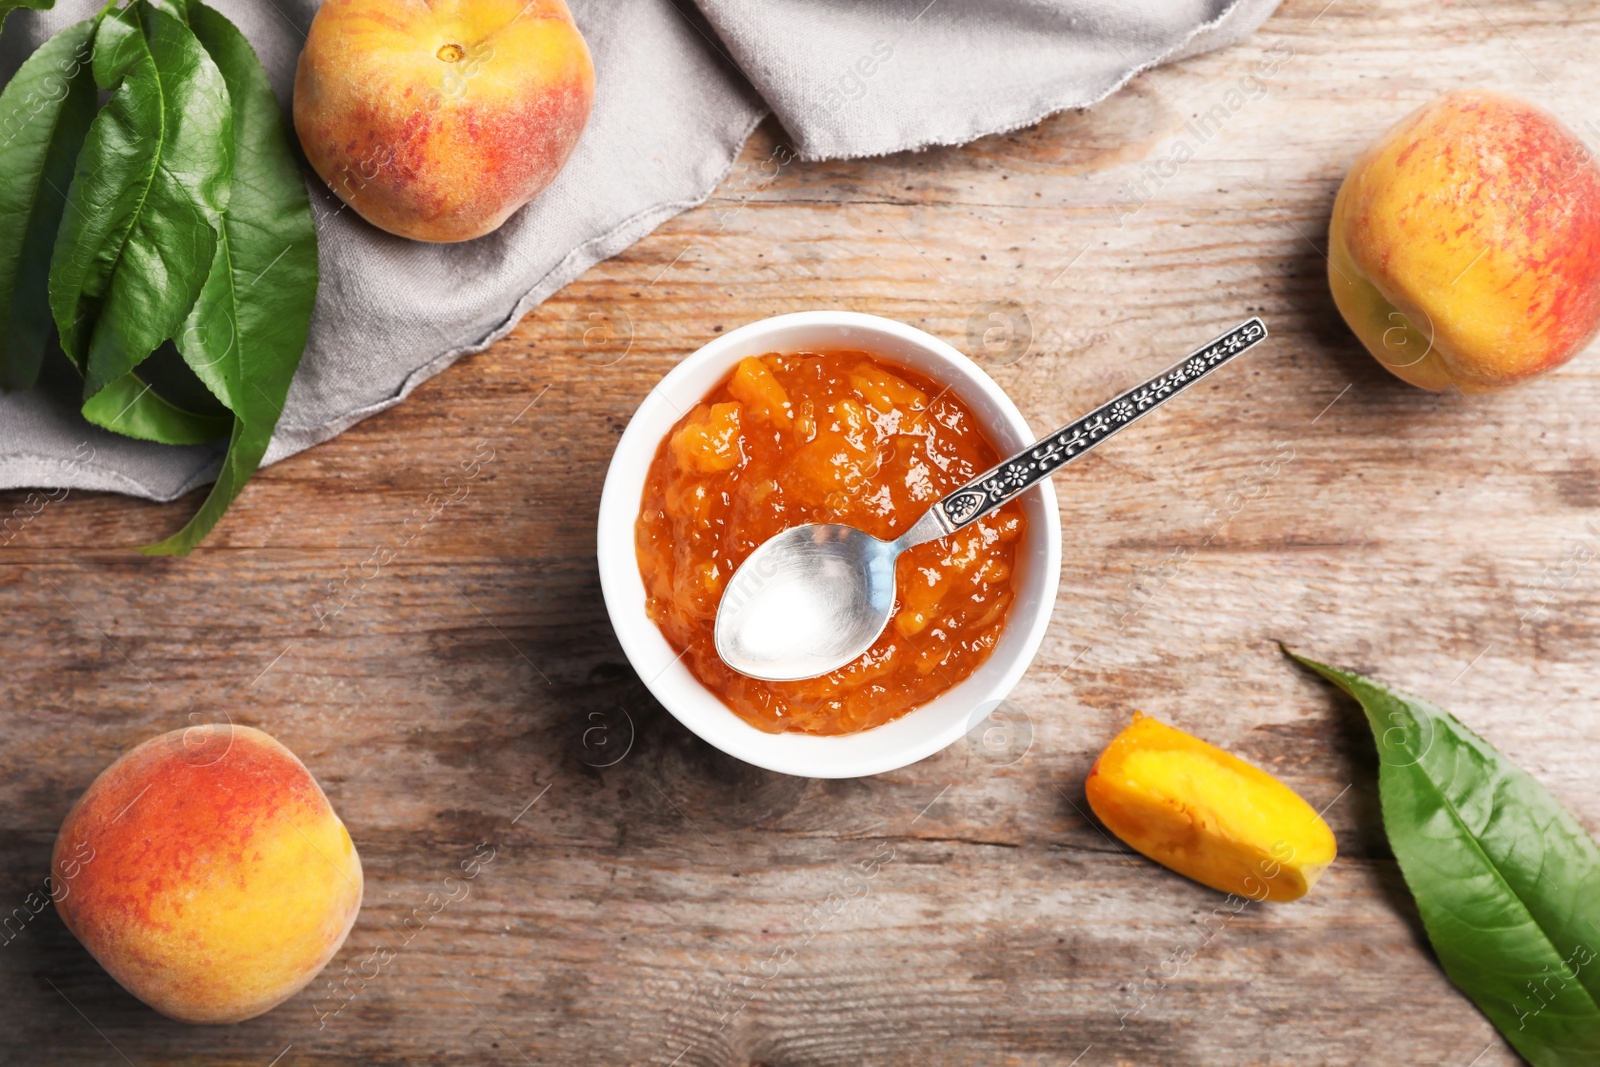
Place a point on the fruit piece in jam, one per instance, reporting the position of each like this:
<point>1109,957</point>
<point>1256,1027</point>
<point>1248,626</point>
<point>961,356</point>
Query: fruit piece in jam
<point>827,437</point>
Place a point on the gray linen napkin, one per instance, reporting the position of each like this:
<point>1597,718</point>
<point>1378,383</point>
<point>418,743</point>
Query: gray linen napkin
<point>849,79</point>
<point>672,108</point>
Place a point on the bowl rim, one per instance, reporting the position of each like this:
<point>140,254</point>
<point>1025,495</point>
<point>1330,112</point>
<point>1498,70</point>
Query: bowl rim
<point>904,740</point>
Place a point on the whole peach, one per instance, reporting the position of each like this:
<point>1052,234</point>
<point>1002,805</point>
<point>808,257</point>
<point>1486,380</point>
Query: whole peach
<point>207,873</point>
<point>1465,244</point>
<point>436,121</point>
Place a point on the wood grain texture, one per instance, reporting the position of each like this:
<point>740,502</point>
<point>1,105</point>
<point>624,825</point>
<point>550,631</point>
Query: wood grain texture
<point>677,907</point>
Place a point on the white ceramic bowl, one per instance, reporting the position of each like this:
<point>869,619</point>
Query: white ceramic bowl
<point>920,732</point>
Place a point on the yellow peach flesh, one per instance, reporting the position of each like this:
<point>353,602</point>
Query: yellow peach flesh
<point>1207,814</point>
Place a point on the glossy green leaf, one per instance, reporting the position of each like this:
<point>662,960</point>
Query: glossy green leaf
<point>161,401</point>
<point>130,406</point>
<point>178,9</point>
<point>45,111</point>
<point>248,329</point>
<point>1506,880</point>
<point>151,181</point>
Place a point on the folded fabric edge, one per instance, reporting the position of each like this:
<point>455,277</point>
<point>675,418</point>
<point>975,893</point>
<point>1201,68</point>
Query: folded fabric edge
<point>40,471</point>
<point>32,470</point>
<point>1037,110</point>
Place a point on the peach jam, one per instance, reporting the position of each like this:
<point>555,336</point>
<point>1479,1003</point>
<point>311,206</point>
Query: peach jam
<point>827,437</point>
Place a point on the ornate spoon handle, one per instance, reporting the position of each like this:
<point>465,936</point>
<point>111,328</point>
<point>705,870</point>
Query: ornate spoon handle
<point>1042,458</point>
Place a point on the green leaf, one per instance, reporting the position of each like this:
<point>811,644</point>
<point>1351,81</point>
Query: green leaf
<point>153,177</point>
<point>162,401</point>
<point>1506,880</point>
<point>248,329</point>
<point>177,9</point>
<point>8,6</point>
<point>45,111</point>
<point>132,407</point>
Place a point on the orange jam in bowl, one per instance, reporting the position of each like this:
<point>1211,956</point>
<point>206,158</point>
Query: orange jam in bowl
<point>834,436</point>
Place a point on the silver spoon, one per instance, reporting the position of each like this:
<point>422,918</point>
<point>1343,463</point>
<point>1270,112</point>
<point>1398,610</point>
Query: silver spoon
<point>814,597</point>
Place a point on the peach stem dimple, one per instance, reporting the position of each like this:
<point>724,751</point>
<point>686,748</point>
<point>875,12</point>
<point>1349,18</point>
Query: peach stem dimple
<point>451,53</point>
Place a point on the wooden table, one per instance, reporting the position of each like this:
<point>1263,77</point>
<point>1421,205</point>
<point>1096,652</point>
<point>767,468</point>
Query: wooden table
<point>678,907</point>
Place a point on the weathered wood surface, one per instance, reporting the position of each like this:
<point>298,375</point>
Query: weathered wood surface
<point>679,907</point>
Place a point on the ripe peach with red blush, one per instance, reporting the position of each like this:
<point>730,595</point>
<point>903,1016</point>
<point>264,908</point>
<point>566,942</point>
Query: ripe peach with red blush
<point>1464,247</point>
<point>207,873</point>
<point>437,120</point>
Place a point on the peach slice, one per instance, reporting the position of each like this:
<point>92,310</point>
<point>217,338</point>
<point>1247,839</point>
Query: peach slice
<point>1207,814</point>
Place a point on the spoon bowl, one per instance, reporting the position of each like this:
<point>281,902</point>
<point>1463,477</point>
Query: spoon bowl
<point>812,598</point>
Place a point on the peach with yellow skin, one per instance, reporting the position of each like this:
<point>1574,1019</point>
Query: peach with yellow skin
<point>436,119</point>
<point>207,873</point>
<point>1464,247</point>
<point>1207,814</point>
